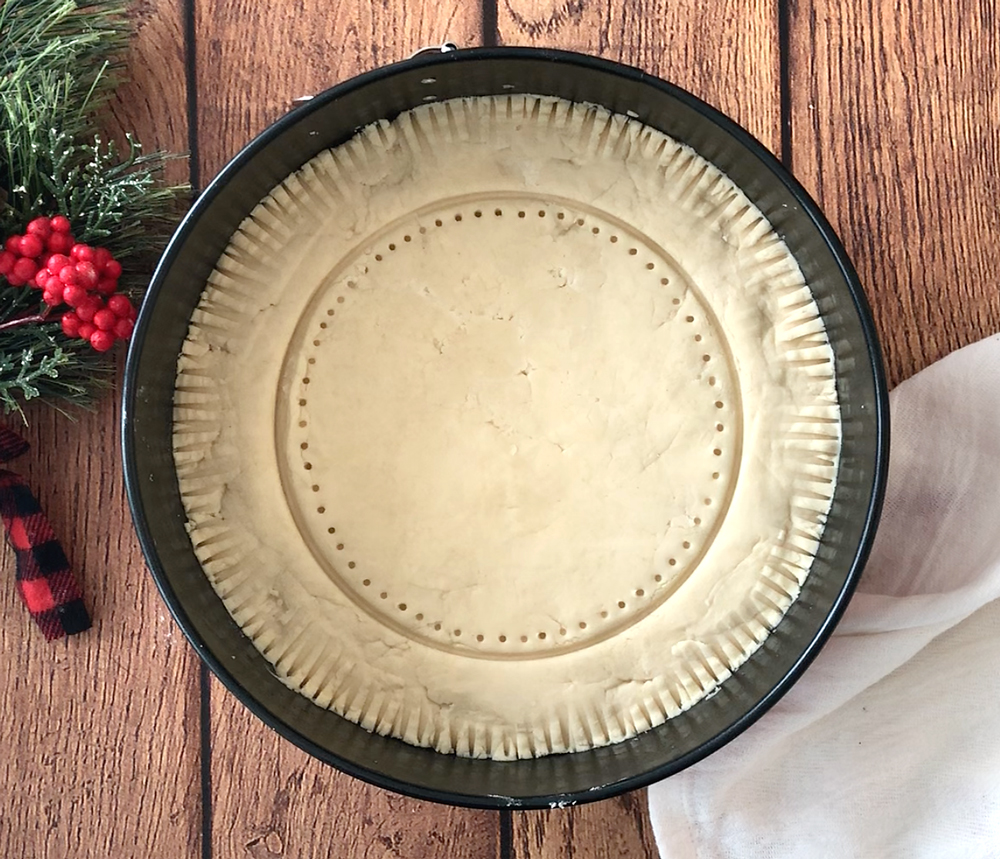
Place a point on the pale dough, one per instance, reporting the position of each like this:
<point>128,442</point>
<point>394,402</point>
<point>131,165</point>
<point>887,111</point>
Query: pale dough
<point>506,428</point>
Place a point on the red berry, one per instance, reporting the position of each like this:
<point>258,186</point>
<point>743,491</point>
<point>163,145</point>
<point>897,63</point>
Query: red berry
<point>59,223</point>
<point>86,329</point>
<point>123,329</point>
<point>88,273</point>
<point>39,227</point>
<point>112,269</point>
<point>7,260</point>
<point>120,305</point>
<point>70,324</point>
<point>41,276</point>
<point>102,340</point>
<point>57,262</point>
<point>105,319</point>
<point>59,242</point>
<point>31,246</point>
<point>88,307</point>
<point>80,251</point>
<point>14,280</point>
<point>102,256</point>
<point>24,269</point>
<point>106,286</point>
<point>13,244</point>
<point>75,295</point>
<point>69,275</point>
<point>52,299</point>
<point>54,285</point>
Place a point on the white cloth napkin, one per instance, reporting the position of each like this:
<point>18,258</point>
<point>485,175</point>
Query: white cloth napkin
<point>889,745</point>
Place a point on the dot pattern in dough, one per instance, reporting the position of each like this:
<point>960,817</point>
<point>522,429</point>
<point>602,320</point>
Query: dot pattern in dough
<point>690,330</point>
<point>402,655</point>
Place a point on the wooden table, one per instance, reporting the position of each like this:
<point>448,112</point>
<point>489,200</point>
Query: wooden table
<point>117,742</point>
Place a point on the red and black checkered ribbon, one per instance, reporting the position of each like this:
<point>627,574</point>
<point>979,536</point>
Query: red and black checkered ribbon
<point>44,579</point>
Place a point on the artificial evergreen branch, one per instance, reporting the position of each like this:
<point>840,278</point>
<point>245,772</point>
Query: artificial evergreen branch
<point>33,362</point>
<point>60,63</point>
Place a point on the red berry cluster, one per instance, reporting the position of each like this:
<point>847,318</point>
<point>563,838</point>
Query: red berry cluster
<point>47,257</point>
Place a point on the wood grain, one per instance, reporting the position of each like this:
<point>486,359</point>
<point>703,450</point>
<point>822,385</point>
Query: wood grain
<point>613,828</point>
<point>727,53</point>
<point>154,100</point>
<point>92,764</point>
<point>724,52</point>
<point>298,803</point>
<point>896,131</point>
<point>255,58</point>
<point>895,128</point>
<point>270,799</point>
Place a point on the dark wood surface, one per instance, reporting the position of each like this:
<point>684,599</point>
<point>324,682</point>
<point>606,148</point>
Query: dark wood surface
<point>895,129</point>
<point>116,742</point>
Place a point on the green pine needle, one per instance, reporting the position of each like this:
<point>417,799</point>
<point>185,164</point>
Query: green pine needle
<point>60,63</point>
<point>37,361</point>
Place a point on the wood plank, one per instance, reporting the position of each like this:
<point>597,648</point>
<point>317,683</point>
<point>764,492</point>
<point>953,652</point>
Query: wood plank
<point>270,799</point>
<point>92,764</point>
<point>154,101</point>
<point>896,131</point>
<point>726,53</point>
<point>254,58</point>
<point>615,827</point>
<point>297,802</point>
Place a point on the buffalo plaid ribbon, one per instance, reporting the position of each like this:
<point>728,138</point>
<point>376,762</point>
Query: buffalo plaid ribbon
<point>44,579</point>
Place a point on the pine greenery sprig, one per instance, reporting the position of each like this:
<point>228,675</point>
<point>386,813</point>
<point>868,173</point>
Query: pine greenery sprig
<point>60,63</point>
<point>31,364</point>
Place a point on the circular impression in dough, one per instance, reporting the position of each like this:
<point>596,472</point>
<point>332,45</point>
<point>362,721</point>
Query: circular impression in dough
<point>506,436</point>
<point>522,424</point>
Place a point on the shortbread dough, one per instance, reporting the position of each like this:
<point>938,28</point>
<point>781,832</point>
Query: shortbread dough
<point>507,427</point>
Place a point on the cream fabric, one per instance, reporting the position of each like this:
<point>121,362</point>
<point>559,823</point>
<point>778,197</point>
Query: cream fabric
<point>890,743</point>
